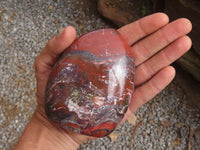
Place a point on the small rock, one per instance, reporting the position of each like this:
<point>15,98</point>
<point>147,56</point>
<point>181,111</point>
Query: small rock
<point>166,123</point>
<point>113,136</point>
<point>176,142</point>
<point>132,119</point>
<point>151,122</point>
<point>50,7</point>
<point>122,12</point>
<point>80,26</point>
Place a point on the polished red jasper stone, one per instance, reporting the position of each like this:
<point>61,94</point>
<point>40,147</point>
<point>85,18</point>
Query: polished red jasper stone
<point>91,84</point>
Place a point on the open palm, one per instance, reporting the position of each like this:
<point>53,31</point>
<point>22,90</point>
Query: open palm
<point>163,44</point>
<point>155,42</point>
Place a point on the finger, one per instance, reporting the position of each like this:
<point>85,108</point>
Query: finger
<point>164,58</point>
<point>49,55</point>
<point>139,29</point>
<point>150,89</point>
<point>59,43</point>
<point>53,49</point>
<point>147,47</point>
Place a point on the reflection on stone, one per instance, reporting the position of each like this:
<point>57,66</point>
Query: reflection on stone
<point>91,84</point>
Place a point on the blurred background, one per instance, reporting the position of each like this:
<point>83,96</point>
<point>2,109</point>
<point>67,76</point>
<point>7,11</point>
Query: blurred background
<point>170,121</point>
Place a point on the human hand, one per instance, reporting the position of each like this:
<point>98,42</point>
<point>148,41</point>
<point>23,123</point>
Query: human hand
<point>160,44</point>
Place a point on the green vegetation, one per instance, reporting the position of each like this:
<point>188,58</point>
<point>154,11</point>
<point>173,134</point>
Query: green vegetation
<point>144,10</point>
<point>144,7</point>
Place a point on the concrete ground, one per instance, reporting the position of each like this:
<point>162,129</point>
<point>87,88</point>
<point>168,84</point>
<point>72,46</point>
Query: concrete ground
<point>166,123</point>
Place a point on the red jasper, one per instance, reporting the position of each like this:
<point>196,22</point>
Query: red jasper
<point>90,86</point>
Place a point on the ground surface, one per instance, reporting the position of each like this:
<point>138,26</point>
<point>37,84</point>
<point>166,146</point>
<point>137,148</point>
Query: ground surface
<point>25,27</point>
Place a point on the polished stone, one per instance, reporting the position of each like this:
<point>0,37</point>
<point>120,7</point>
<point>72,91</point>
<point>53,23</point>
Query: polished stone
<point>91,84</point>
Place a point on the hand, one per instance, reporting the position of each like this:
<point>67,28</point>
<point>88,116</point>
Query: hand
<point>160,44</point>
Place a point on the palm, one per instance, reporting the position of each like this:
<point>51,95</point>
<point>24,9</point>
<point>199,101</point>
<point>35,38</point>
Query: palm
<point>163,44</point>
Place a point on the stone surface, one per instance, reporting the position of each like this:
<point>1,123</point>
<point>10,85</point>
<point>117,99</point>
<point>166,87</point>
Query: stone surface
<point>190,85</point>
<point>191,63</point>
<point>91,84</point>
<point>122,12</point>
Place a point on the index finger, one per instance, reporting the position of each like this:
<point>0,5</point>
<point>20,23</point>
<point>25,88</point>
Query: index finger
<point>49,55</point>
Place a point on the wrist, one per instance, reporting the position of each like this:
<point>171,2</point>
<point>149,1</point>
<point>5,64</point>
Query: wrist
<point>41,134</point>
<point>57,134</point>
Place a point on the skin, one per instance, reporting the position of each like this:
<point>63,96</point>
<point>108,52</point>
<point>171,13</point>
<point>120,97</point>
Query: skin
<point>155,42</point>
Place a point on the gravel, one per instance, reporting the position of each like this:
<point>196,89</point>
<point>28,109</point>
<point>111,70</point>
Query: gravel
<point>25,27</point>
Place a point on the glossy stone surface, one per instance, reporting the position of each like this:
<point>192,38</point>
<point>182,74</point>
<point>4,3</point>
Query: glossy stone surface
<point>90,86</point>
